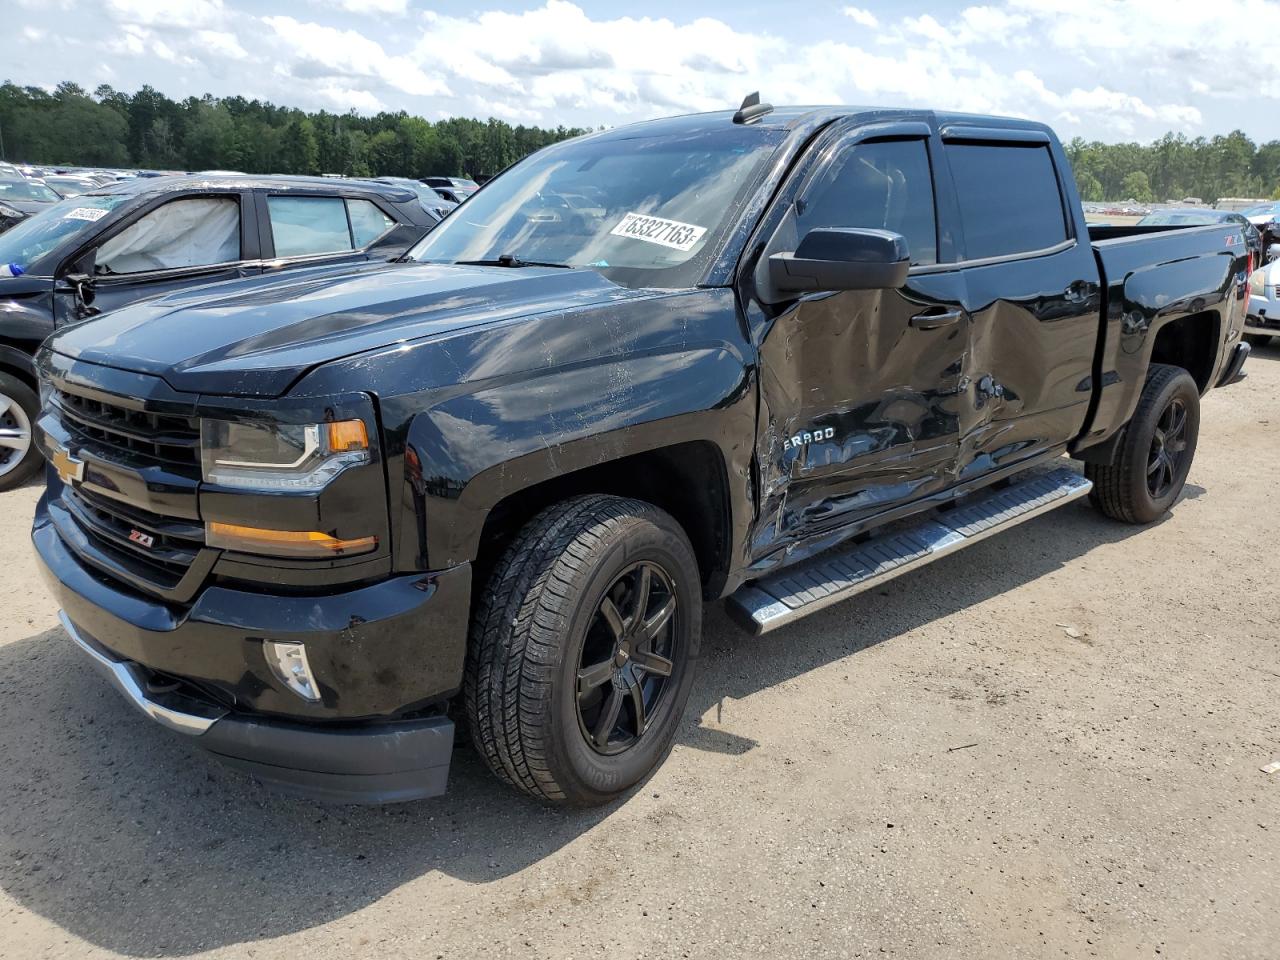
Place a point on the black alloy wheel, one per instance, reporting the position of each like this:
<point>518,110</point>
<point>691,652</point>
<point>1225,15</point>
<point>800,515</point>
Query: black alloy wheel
<point>583,649</point>
<point>627,658</point>
<point>1151,462</point>
<point>1168,449</point>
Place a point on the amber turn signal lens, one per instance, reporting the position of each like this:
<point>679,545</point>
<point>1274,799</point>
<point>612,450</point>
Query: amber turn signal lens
<point>283,543</point>
<point>347,435</point>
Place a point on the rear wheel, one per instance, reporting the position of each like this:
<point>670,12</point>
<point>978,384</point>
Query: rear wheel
<point>582,650</point>
<point>19,407</point>
<point>1155,456</point>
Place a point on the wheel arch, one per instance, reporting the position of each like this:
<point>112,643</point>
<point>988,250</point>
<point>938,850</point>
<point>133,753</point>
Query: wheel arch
<point>1190,341</point>
<point>688,480</point>
<point>17,358</point>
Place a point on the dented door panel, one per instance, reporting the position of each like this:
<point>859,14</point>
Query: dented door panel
<point>860,411</point>
<point>1034,330</point>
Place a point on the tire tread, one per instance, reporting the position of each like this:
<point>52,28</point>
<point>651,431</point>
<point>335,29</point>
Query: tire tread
<point>517,629</point>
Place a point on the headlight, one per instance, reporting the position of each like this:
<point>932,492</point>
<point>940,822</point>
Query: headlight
<point>298,457</point>
<point>8,211</point>
<point>1258,283</point>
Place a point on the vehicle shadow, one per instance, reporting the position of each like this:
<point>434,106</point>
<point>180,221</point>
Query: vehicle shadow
<point>122,836</point>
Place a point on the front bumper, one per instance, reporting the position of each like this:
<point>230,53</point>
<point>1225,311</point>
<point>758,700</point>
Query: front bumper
<point>1263,317</point>
<point>378,653</point>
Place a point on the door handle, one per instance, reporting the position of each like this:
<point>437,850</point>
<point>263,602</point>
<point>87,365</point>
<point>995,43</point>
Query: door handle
<point>936,317</point>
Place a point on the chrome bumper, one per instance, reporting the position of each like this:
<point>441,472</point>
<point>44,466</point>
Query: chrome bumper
<point>128,679</point>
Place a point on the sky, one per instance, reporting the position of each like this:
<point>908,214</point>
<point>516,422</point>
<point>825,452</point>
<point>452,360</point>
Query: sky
<point>1103,69</point>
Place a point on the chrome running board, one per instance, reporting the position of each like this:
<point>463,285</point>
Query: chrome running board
<point>794,592</point>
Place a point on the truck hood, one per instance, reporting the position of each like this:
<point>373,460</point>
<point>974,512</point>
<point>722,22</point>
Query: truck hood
<point>256,337</point>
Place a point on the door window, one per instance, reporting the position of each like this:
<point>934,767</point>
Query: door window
<point>195,232</point>
<point>885,185</point>
<point>306,226</point>
<point>368,222</point>
<point>309,226</point>
<point>1009,199</point>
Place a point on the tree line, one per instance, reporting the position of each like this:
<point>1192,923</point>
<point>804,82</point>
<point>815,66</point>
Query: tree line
<point>1174,167</point>
<point>110,128</point>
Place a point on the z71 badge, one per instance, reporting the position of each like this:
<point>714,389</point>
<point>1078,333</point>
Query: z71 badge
<point>808,437</point>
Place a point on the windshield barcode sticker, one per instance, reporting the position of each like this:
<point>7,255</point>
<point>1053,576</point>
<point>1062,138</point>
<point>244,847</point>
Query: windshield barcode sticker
<point>85,213</point>
<point>666,233</point>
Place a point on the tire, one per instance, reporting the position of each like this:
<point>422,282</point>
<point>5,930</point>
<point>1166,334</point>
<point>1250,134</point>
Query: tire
<point>1155,455</point>
<point>19,454</point>
<point>545,662</point>
<point>1257,340</point>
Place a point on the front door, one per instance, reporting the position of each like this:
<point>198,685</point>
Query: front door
<point>861,390</point>
<point>180,243</point>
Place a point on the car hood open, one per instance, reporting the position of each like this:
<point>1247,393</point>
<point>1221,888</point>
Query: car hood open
<point>256,337</point>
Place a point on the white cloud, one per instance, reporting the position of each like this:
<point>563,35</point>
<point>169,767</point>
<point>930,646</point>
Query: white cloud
<point>392,7</point>
<point>349,98</point>
<point>861,17</point>
<point>221,43</point>
<point>322,52</point>
<point>170,14</point>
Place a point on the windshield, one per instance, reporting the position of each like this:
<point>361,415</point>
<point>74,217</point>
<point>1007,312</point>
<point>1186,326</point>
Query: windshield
<point>25,190</point>
<point>644,211</point>
<point>37,235</point>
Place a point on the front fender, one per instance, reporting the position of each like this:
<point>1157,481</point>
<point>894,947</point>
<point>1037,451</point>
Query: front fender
<point>467,453</point>
<point>26,317</point>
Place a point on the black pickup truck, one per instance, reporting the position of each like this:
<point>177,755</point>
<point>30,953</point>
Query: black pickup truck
<point>773,356</point>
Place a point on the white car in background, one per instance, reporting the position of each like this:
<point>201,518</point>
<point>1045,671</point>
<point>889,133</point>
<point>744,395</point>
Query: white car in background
<point>1263,319</point>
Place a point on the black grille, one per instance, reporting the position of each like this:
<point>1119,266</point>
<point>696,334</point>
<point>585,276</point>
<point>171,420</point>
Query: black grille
<point>159,549</point>
<point>160,438</point>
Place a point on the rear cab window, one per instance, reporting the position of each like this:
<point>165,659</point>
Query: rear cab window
<point>307,226</point>
<point>1009,198</point>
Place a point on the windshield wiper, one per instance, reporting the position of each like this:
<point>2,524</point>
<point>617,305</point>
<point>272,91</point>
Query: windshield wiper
<point>511,260</point>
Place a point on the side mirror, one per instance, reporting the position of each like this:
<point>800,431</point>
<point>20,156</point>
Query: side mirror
<point>839,258</point>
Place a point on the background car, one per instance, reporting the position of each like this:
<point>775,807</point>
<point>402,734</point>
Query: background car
<point>93,253</point>
<point>20,198</point>
<point>1190,217</point>
<point>70,185</point>
<point>453,189</point>
<point>430,199</point>
<point>1262,213</point>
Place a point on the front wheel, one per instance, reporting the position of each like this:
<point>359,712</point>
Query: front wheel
<point>582,650</point>
<point>1155,456</point>
<point>19,455</point>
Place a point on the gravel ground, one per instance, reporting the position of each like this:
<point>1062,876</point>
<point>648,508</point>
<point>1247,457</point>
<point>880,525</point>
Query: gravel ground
<point>1047,746</point>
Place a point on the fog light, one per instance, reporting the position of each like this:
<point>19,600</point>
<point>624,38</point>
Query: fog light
<point>288,661</point>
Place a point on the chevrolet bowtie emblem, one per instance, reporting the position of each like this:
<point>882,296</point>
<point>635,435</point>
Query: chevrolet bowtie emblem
<point>68,467</point>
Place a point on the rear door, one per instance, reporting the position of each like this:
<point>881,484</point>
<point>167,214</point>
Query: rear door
<point>1031,290</point>
<point>301,229</point>
<point>861,390</point>
<point>168,245</point>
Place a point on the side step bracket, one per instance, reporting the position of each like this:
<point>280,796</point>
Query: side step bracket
<point>794,592</point>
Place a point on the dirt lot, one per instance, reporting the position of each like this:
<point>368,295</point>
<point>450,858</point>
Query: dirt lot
<point>940,769</point>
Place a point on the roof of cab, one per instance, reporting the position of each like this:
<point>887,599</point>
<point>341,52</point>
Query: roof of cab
<point>802,118</point>
<point>215,184</point>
